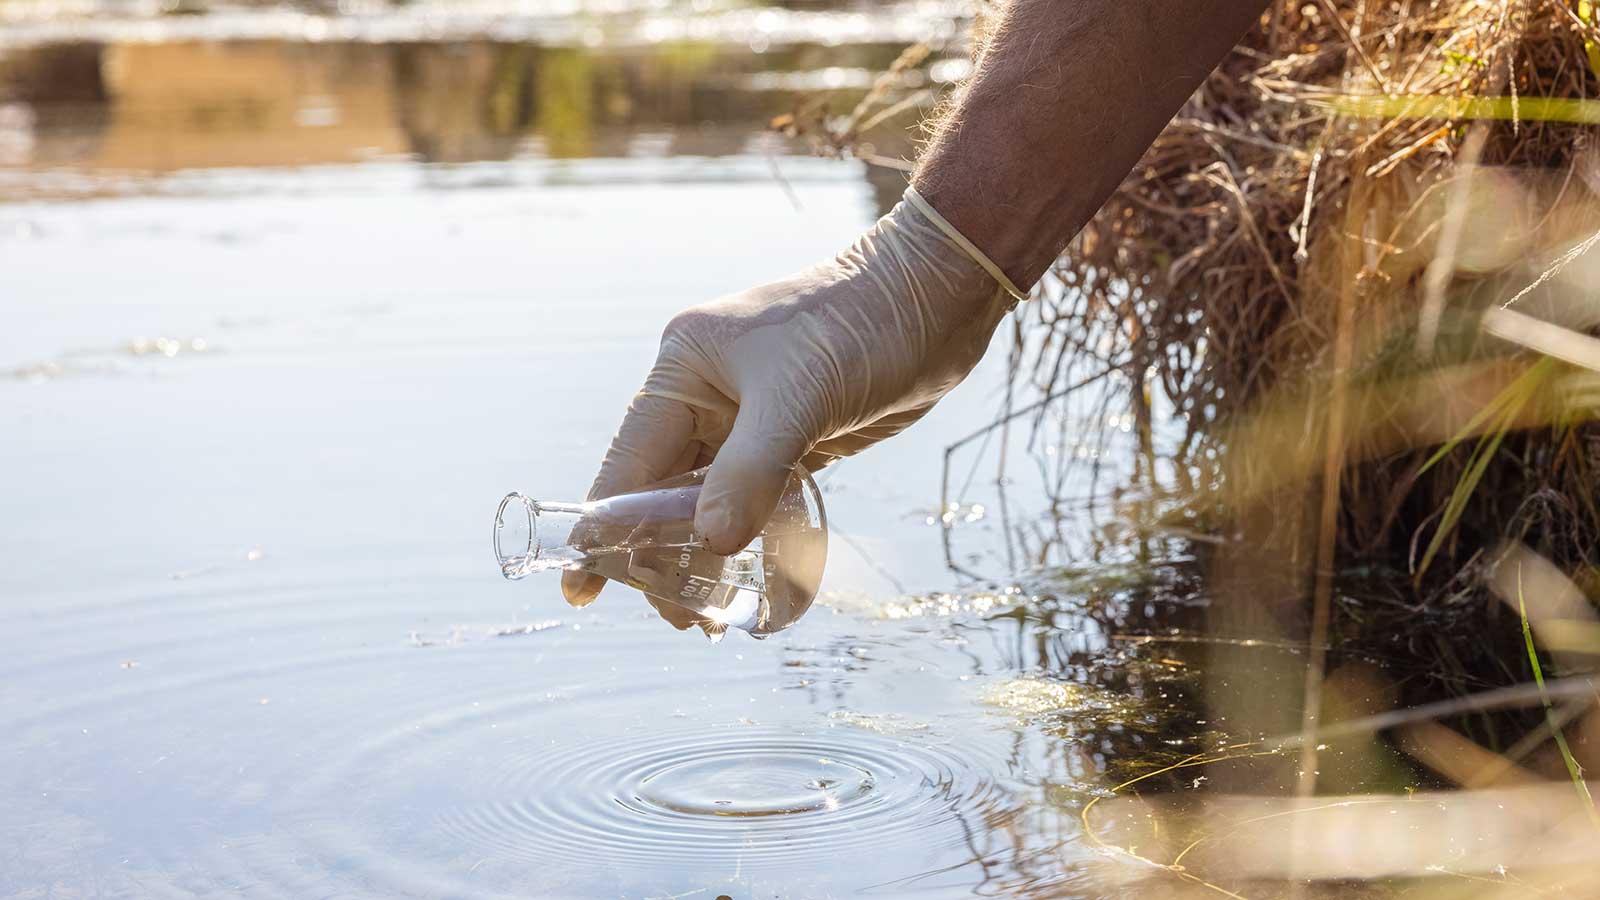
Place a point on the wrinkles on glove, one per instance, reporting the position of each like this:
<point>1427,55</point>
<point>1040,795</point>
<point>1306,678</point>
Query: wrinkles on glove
<point>806,370</point>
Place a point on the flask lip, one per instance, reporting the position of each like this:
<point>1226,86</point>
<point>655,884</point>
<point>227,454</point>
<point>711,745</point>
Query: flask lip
<point>516,534</point>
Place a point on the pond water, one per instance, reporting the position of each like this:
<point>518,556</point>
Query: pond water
<point>283,321</point>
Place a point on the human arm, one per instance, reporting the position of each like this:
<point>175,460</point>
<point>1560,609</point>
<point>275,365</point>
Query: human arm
<point>820,365</point>
<point>1064,99</point>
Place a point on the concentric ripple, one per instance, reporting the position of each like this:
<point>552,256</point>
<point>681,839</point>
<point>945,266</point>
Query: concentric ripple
<point>564,764</point>
<point>727,783</point>
<point>762,795</point>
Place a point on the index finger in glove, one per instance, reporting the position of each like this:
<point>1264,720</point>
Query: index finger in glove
<point>652,443</point>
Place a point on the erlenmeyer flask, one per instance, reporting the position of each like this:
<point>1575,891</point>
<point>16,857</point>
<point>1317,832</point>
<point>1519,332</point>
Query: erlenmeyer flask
<point>646,540</point>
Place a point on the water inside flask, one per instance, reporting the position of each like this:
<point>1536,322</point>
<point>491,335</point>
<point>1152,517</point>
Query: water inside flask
<point>646,540</point>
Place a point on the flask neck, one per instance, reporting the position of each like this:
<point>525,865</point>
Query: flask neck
<point>536,536</point>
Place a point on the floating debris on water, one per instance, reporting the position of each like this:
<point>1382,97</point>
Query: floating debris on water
<point>1031,698</point>
<point>881,723</point>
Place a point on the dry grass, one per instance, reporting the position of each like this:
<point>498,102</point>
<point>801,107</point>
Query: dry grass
<point>1361,268</point>
<point>1360,264</point>
<point>1283,196</point>
<point>1310,265</point>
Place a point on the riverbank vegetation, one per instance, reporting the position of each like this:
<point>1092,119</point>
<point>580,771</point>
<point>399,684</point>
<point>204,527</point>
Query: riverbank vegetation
<point>1348,300</point>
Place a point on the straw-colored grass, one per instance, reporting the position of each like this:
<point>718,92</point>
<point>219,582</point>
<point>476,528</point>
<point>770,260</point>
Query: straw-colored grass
<point>1361,268</point>
<point>1407,165</point>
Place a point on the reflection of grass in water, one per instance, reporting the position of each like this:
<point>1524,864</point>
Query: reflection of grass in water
<point>511,100</point>
<point>1106,578</point>
<point>1236,751</point>
<point>1089,677</point>
<point>686,59</point>
<point>1244,843</point>
<point>565,104</point>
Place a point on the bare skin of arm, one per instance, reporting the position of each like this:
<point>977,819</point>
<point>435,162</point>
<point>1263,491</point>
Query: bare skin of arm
<point>829,361</point>
<point>1065,98</point>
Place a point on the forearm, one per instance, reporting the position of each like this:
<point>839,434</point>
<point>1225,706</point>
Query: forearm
<point>1065,98</point>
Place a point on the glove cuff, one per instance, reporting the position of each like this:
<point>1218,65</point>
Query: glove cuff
<point>971,249</point>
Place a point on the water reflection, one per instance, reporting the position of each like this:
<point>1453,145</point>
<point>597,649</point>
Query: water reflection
<point>928,756</point>
<point>334,729</point>
<point>165,107</point>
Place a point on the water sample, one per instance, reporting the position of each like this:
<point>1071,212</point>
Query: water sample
<point>646,540</point>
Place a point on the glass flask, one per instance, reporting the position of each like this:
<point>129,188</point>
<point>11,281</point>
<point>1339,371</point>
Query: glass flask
<point>646,540</point>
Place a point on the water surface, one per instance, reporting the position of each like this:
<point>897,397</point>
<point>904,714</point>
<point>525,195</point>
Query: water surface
<point>283,321</point>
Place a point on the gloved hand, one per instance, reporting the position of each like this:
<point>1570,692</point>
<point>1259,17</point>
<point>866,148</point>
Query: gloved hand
<point>806,370</point>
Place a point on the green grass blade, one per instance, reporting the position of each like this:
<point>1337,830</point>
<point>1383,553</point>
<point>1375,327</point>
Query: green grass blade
<point>1479,464</point>
<point>1521,387</point>
<point>1573,769</point>
<point>1505,408</point>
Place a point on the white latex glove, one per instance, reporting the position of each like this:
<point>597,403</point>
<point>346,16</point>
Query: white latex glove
<point>806,370</point>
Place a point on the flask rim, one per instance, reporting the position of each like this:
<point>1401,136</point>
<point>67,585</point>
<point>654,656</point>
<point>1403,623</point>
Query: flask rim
<point>531,547</point>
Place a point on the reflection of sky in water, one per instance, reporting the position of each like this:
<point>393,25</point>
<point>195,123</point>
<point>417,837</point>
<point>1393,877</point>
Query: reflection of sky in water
<point>613,23</point>
<point>266,408</point>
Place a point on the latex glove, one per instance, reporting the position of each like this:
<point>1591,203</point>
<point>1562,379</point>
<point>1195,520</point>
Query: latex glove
<point>806,370</point>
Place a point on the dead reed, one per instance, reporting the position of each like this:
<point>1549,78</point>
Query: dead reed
<point>1360,268</point>
<point>1359,264</point>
